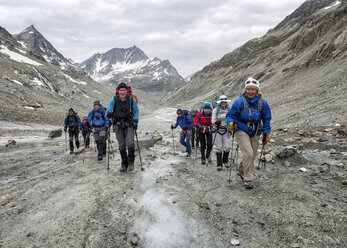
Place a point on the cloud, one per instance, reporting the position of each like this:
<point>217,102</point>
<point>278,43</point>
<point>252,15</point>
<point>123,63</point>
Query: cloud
<point>190,33</point>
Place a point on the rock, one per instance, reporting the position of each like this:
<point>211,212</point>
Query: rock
<point>286,152</point>
<point>300,146</point>
<point>287,163</point>
<point>344,155</point>
<point>324,168</point>
<point>303,169</point>
<point>268,157</point>
<point>324,205</point>
<point>319,157</point>
<point>80,150</point>
<point>157,137</point>
<point>332,151</point>
<point>234,242</point>
<point>134,239</point>
<point>145,141</point>
<point>327,130</point>
<point>323,138</point>
<point>55,133</point>
<point>11,143</point>
<point>342,130</point>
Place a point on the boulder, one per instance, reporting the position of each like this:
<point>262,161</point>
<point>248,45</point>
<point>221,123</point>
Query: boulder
<point>318,157</point>
<point>286,152</point>
<point>145,141</point>
<point>156,137</point>
<point>11,143</point>
<point>55,133</point>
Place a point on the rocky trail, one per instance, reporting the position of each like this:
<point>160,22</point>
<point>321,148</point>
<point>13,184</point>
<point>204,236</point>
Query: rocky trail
<point>50,198</point>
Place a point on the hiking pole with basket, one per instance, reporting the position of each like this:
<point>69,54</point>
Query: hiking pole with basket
<point>231,157</point>
<point>138,148</point>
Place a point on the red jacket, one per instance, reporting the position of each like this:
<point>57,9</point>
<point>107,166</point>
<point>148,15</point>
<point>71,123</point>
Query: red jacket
<point>203,120</point>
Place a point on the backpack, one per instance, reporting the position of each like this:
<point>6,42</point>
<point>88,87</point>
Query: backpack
<point>187,113</point>
<point>218,108</point>
<point>116,99</point>
<point>102,115</point>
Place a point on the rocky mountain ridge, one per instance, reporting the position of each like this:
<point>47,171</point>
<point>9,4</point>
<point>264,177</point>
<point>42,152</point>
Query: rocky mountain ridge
<point>301,65</point>
<point>133,66</point>
<point>36,91</point>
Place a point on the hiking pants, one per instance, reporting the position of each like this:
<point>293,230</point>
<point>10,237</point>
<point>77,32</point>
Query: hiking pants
<point>249,148</point>
<point>125,138</point>
<point>185,140</point>
<point>100,139</point>
<point>86,137</point>
<point>205,140</point>
<point>222,142</point>
<point>73,132</point>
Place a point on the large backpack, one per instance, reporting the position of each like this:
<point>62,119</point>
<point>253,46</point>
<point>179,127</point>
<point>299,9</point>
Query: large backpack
<point>129,99</point>
<point>187,113</point>
<point>102,115</point>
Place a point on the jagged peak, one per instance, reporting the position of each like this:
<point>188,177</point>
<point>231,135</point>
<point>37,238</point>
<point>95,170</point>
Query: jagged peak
<point>31,28</point>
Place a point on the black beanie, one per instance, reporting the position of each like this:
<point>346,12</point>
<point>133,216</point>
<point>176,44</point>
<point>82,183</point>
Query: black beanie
<point>122,85</point>
<point>71,109</point>
<point>97,102</point>
<point>179,111</point>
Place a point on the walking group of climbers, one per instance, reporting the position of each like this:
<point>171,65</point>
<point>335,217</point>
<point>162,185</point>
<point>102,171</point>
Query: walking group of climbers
<point>122,112</point>
<point>246,119</point>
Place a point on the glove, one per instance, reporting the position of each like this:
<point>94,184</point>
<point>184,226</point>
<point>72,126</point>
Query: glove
<point>109,115</point>
<point>266,137</point>
<point>65,128</point>
<point>217,123</point>
<point>135,124</point>
<point>172,127</point>
<point>233,126</point>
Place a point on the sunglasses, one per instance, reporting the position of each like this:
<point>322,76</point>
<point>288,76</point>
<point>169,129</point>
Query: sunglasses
<point>253,81</point>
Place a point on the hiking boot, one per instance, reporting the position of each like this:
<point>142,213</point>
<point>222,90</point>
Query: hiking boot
<point>130,167</point>
<point>203,161</point>
<point>99,158</point>
<point>226,165</point>
<point>209,159</point>
<point>219,161</point>
<point>219,168</point>
<point>248,184</point>
<point>188,155</point>
<point>71,152</point>
<point>122,169</point>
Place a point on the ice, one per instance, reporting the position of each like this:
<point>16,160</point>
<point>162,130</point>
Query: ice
<point>17,57</point>
<point>162,223</point>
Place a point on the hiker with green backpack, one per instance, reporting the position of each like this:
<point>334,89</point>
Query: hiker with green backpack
<point>248,117</point>
<point>222,136</point>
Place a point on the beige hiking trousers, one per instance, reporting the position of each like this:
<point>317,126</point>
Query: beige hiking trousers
<point>249,148</point>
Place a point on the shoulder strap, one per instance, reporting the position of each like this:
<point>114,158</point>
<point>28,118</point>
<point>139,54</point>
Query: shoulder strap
<point>245,105</point>
<point>260,104</point>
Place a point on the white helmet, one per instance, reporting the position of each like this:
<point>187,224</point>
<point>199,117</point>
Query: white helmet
<point>223,98</point>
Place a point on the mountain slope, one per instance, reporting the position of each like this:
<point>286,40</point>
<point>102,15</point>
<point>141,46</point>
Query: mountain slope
<point>33,90</point>
<point>33,40</point>
<point>301,65</point>
<point>133,66</point>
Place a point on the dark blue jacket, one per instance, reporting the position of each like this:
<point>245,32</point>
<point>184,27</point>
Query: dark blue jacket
<point>185,122</point>
<point>100,120</point>
<point>241,120</point>
<point>72,121</point>
<point>85,127</point>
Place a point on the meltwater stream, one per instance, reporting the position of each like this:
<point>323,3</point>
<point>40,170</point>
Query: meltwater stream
<point>161,223</point>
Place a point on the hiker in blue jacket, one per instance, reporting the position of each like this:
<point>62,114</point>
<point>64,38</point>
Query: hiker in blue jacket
<point>248,117</point>
<point>185,122</point>
<point>125,116</point>
<point>99,122</point>
<point>72,121</point>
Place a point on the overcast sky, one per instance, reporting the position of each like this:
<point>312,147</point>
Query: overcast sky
<point>189,33</point>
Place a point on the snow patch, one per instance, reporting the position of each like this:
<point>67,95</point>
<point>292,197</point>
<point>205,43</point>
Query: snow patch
<point>97,92</point>
<point>28,107</point>
<point>73,80</point>
<point>17,57</point>
<point>36,80</point>
<point>85,96</point>
<point>17,82</point>
<point>333,5</point>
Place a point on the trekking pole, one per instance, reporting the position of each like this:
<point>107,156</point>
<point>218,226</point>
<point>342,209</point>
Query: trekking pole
<point>173,142</point>
<point>231,157</point>
<point>138,148</point>
<point>262,150</point>
<point>108,155</point>
<point>110,143</point>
